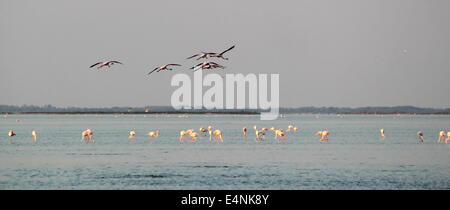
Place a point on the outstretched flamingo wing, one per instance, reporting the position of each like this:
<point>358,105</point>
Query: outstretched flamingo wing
<point>95,64</point>
<point>194,56</point>
<point>153,70</point>
<point>196,65</point>
<point>216,65</point>
<point>173,64</point>
<point>227,50</point>
<point>116,62</point>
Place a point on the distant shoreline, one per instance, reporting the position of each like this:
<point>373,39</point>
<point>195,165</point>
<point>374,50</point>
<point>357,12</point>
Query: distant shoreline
<point>205,113</point>
<point>128,113</point>
<point>395,110</point>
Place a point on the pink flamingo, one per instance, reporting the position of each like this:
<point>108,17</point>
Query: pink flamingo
<point>212,55</point>
<point>164,67</point>
<point>105,63</point>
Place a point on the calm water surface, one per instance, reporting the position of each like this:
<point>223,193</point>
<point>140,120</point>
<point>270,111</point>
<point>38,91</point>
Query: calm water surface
<point>354,157</point>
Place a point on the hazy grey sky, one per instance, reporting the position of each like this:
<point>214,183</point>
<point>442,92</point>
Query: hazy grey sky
<point>328,53</point>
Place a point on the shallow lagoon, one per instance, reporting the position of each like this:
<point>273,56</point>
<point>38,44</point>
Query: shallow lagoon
<point>354,157</point>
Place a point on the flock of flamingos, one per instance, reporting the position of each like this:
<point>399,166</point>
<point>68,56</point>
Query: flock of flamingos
<point>214,134</point>
<point>167,67</point>
<point>192,135</point>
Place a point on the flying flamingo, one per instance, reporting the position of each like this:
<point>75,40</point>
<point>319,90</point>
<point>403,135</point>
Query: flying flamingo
<point>105,63</point>
<point>220,55</point>
<point>200,55</point>
<point>164,67</point>
<point>207,65</point>
<point>212,55</point>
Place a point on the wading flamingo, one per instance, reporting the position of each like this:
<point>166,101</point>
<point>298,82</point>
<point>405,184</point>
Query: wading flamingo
<point>382,136</point>
<point>211,55</point>
<point>132,135</point>
<point>280,135</point>
<point>164,67</point>
<point>34,135</point>
<point>292,128</point>
<point>11,134</point>
<point>448,138</point>
<point>259,134</point>
<point>105,64</point>
<point>218,136</point>
<point>182,134</point>
<point>152,135</point>
<point>323,135</point>
<point>441,138</point>
<point>244,132</point>
<point>420,135</point>
<point>210,131</point>
<point>203,130</point>
<point>289,128</point>
<point>87,136</point>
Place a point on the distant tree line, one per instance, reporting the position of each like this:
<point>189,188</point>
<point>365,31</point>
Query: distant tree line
<point>366,110</point>
<point>167,109</point>
<point>148,109</point>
